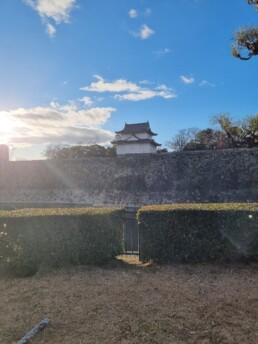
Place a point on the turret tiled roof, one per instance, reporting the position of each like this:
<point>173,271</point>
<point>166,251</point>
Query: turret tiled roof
<point>136,128</point>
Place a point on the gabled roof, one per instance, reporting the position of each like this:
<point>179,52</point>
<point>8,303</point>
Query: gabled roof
<point>136,128</point>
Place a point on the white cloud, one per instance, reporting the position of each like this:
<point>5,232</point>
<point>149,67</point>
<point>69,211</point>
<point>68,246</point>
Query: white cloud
<point>50,30</point>
<point>133,13</point>
<point>145,82</point>
<point>57,123</point>
<point>58,11</point>
<point>187,80</point>
<point>145,94</point>
<point>162,52</point>
<point>119,85</point>
<point>206,83</point>
<point>163,88</point>
<point>130,91</point>
<point>87,101</point>
<point>145,32</point>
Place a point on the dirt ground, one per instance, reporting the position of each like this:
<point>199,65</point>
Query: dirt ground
<point>134,303</point>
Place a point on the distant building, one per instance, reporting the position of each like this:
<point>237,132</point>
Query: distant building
<point>135,139</point>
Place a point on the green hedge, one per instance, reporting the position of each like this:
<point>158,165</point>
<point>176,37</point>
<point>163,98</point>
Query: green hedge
<point>198,232</point>
<point>35,238</point>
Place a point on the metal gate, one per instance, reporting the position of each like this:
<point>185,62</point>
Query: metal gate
<point>131,233</point>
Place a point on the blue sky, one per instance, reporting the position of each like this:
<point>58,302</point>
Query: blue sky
<point>76,70</point>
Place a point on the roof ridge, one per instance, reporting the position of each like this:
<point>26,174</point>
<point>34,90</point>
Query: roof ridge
<point>136,127</point>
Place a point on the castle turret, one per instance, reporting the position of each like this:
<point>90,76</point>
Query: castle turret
<point>135,139</point>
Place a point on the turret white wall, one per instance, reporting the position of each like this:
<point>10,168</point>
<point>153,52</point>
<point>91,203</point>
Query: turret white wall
<point>136,148</point>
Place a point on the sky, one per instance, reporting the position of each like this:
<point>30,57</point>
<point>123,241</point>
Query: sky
<point>74,71</point>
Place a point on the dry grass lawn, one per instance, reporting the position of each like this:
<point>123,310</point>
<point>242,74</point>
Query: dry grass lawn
<point>130,303</point>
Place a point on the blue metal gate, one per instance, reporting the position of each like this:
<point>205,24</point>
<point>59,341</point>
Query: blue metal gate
<point>131,233</point>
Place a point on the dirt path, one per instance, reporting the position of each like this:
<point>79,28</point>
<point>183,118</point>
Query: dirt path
<point>135,304</point>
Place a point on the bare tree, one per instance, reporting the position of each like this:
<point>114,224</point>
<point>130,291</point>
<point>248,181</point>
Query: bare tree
<point>180,140</point>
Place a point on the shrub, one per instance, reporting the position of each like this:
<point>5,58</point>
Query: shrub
<point>32,238</point>
<point>198,232</point>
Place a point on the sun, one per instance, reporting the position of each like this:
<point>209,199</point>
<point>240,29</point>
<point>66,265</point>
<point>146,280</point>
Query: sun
<point>6,128</point>
<point>6,124</point>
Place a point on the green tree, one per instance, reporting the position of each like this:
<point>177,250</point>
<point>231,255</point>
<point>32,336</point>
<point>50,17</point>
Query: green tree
<point>162,150</point>
<point>241,134</point>
<point>246,39</point>
<point>78,151</point>
<point>253,2</point>
<point>196,139</point>
<point>208,139</point>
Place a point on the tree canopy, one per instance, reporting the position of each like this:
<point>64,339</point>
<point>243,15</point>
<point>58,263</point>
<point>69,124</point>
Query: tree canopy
<point>208,139</point>
<point>77,152</point>
<point>196,139</point>
<point>241,134</point>
<point>230,134</point>
<point>253,2</point>
<point>246,39</point>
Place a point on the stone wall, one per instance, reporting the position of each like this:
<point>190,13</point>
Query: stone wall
<point>4,153</point>
<point>203,176</point>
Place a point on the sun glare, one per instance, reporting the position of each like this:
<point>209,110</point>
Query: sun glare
<point>6,128</point>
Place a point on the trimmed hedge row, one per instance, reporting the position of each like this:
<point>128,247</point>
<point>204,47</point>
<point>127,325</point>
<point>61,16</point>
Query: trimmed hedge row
<point>198,232</point>
<point>34,238</point>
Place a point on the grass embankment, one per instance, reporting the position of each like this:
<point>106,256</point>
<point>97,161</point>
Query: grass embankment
<point>195,304</point>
